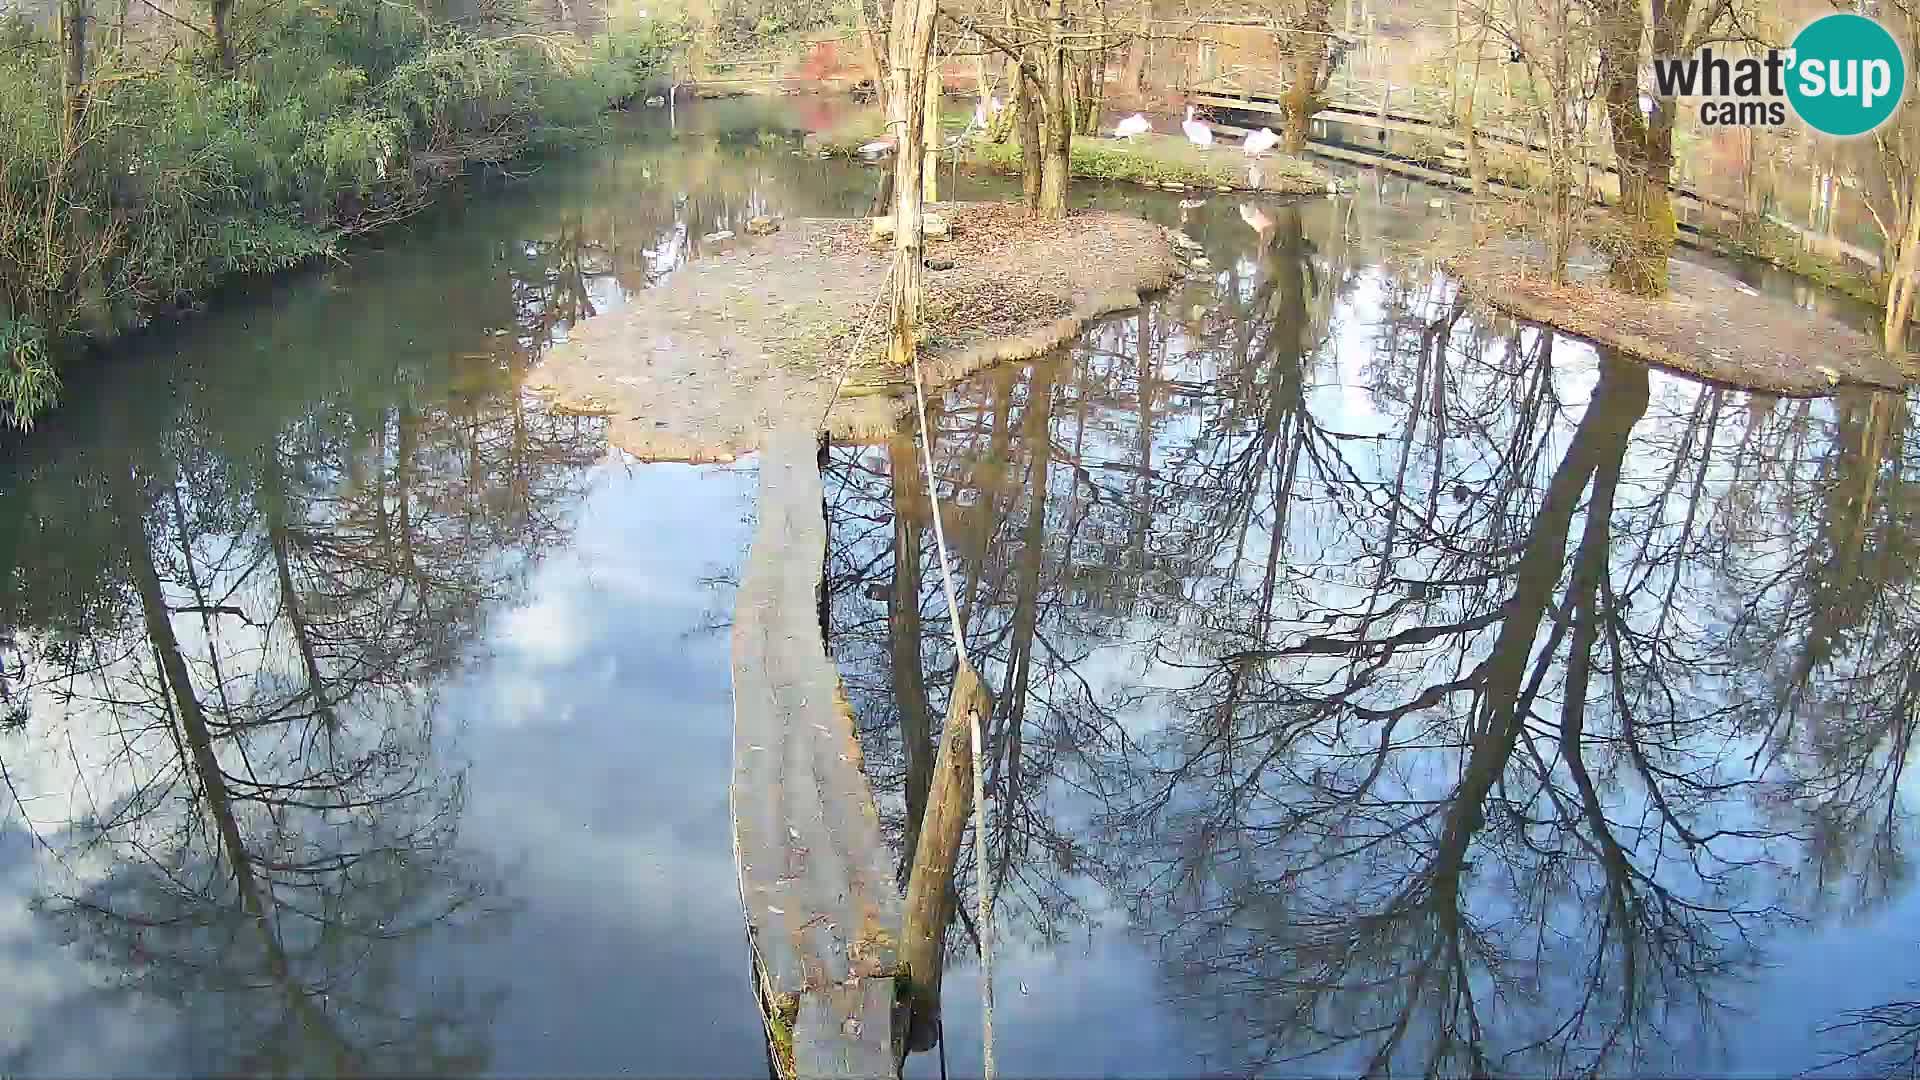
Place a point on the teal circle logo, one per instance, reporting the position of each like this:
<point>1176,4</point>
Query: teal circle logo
<point>1847,74</point>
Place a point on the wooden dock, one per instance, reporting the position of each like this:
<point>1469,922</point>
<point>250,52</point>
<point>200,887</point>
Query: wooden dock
<point>823,909</point>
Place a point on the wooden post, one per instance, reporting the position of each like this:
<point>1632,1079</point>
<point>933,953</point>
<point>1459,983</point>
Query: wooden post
<point>943,832</point>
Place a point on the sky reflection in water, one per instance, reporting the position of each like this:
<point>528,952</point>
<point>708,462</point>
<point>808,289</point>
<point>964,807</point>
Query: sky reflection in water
<point>370,719</point>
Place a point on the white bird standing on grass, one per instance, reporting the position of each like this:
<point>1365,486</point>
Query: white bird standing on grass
<point>1132,127</point>
<point>1197,133</point>
<point>1259,142</point>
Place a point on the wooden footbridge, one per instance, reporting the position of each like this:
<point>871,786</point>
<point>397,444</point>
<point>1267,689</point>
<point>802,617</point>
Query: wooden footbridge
<point>823,910</point>
<point>1434,148</point>
<point>1421,115</point>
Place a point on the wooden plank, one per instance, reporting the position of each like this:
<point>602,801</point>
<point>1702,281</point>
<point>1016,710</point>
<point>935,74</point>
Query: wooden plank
<point>822,907</point>
<point>834,1040</point>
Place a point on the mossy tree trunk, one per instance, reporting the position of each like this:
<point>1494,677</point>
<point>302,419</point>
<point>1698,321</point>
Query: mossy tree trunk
<point>1027,106</point>
<point>1642,145</point>
<point>1055,171</point>
<point>1308,58</point>
<point>1044,97</point>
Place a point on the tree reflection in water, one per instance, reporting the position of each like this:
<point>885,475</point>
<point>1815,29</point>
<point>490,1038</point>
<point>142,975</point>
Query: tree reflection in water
<point>1435,695</point>
<point>227,676</point>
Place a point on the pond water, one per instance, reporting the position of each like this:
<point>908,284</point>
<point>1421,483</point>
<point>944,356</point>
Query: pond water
<point>1383,683</point>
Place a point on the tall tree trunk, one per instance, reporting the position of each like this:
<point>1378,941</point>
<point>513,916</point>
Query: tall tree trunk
<point>222,36</point>
<point>1643,151</point>
<point>1027,104</point>
<point>930,167</point>
<point>1056,163</point>
<point>911,39</point>
<point>943,831</point>
<point>73,37</point>
<point>1559,145</point>
<point>1306,58</point>
<point>873,41</point>
<point>1903,277</point>
<point>1134,76</point>
<point>1055,168</point>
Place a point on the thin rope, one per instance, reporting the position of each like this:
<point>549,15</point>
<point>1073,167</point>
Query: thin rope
<point>973,721</point>
<point>866,323</point>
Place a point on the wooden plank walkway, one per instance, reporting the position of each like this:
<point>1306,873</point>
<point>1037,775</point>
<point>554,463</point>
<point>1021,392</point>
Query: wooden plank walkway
<point>823,910</point>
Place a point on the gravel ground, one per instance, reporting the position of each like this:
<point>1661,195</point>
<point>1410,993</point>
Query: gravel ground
<point>760,333</point>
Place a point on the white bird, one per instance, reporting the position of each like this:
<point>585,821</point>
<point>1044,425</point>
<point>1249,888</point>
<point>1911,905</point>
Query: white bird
<point>1132,126</point>
<point>1259,142</point>
<point>877,148</point>
<point>1253,177</point>
<point>1197,133</point>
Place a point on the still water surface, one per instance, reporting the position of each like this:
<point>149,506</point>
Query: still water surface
<point>1384,683</point>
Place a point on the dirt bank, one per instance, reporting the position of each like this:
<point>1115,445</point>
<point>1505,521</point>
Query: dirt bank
<point>759,335</point>
<point>1709,324</point>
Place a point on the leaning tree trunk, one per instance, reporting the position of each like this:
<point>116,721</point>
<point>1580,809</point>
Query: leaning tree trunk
<point>943,832</point>
<point>1001,125</point>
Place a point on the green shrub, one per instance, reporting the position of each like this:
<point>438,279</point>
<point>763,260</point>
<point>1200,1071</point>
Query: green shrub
<point>338,119</point>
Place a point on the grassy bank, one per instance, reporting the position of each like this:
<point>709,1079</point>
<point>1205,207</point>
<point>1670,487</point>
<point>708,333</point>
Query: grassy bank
<point>1159,160</point>
<point>1153,160</point>
<point>1770,243</point>
<point>165,173</point>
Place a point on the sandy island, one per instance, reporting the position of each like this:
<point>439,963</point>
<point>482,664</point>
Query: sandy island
<point>759,335</point>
